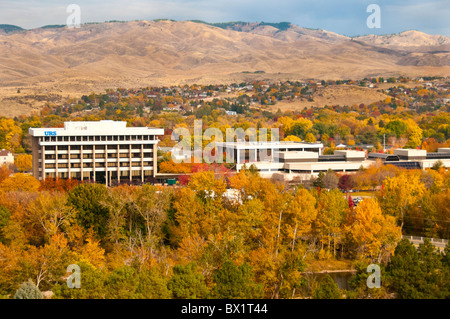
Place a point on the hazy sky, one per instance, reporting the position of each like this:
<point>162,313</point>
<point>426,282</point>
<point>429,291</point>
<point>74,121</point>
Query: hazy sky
<point>346,17</point>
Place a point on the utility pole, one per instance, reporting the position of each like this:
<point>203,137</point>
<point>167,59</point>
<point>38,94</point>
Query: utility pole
<point>384,143</point>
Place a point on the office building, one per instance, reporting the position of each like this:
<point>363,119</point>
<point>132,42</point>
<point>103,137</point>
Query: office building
<point>102,151</point>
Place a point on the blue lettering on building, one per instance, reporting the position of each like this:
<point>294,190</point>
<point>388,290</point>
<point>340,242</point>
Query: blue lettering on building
<point>50,133</point>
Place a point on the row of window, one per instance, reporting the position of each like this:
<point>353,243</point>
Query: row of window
<point>98,138</point>
<point>91,165</point>
<point>102,155</point>
<point>89,175</point>
<point>98,147</point>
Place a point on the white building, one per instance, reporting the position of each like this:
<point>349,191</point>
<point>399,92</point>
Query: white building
<point>102,151</point>
<point>263,154</point>
<point>6,157</point>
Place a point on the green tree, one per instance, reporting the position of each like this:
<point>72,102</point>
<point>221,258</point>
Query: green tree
<point>327,289</point>
<point>92,285</point>
<point>122,283</point>
<point>152,285</point>
<point>28,290</point>
<point>187,282</point>
<point>236,282</point>
<point>4,220</point>
<point>417,274</point>
<point>91,213</point>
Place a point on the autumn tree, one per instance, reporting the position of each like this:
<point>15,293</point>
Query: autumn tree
<point>330,180</point>
<point>4,172</point>
<point>373,234</point>
<point>332,208</point>
<point>51,212</point>
<point>299,216</point>
<point>399,192</point>
<point>24,162</point>
<point>20,182</point>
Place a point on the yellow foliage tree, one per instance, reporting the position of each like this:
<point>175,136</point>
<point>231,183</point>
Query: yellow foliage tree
<point>401,191</point>
<point>20,182</point>
<point>24,162</point>
<point>309,138</point>
<point>292,138</point>
<point>299,215</point>
<point>374,234</point>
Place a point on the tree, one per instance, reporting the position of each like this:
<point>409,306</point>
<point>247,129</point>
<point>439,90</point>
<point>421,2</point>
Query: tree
<point>187,283</point>
<point>309,138</point>
<point>87,201</point>
<point>4,172</point>
<point>374,234</point>
<point>327,289</point>
<point>122,283</point>
<point>5,216</point>
<point>51,212</point>
<point>401,191</point>
<point>414,133</point>
<point>24,162</point>
<point>235,282</point>
<point>28,290</point>
<point>418,274</point>
<point>10,134</point>
<point>292,138</point>
<point>152,285</point>
<point>330,180</point>
<point>299,215</point>
<point>301,127</point>
<point>346,182</point>
<point>318,182</point>
<point>331,208</point>
<point>92,284</point>
<point>20,182</point>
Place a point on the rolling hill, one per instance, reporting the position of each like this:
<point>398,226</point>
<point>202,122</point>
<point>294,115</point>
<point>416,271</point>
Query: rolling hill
<point>59,62</point>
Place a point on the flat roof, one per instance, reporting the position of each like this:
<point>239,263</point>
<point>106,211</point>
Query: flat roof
<point>104,127</point>
<point>269,144</point>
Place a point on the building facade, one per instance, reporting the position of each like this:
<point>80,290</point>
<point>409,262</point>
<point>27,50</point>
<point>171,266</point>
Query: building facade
<point>6,157</point>
<point>263,153</point>
<point>102,151</point>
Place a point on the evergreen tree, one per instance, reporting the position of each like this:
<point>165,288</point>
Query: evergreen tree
<point>327,289</point>
<point>187,283</point>
<point>417,274</point>
<point>236,282</point>
<point>28,290</point>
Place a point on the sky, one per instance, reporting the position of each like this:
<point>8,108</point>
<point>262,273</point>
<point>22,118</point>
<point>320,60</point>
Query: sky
<point>347,17</point>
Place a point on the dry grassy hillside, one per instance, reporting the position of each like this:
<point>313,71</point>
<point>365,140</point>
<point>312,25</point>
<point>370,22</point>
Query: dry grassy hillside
<point>69,62</point>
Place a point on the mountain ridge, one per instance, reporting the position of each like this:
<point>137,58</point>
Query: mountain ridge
<point>59,60</point>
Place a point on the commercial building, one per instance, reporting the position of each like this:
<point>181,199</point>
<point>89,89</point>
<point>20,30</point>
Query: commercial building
<point>303,160</point>
<point>102,151</point>
<point>264,154</point>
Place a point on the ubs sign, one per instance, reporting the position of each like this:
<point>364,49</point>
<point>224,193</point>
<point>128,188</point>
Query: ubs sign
<point>50,133</point>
